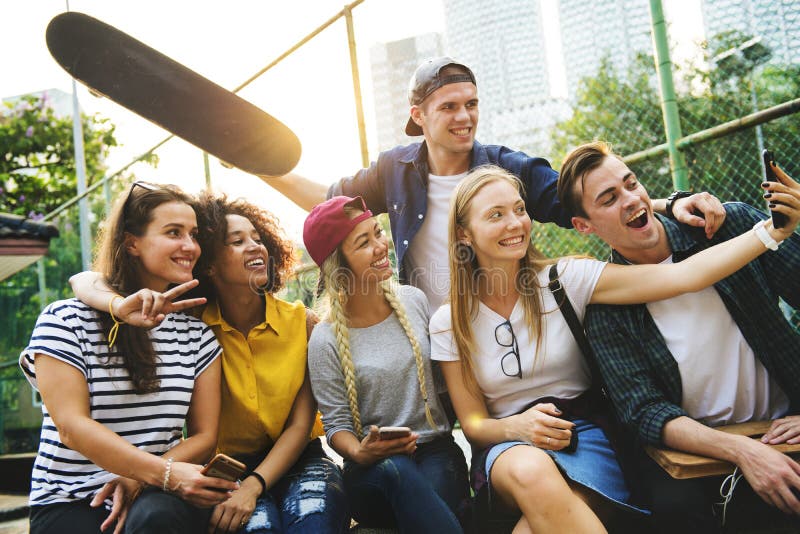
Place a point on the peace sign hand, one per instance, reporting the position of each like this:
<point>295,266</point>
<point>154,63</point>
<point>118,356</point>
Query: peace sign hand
<point>147,308</point>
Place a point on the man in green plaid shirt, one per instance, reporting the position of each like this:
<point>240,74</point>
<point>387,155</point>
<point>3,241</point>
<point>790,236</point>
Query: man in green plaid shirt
<point>677,368</point>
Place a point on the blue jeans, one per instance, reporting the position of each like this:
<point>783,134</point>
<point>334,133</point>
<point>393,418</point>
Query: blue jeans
<point>424,492</point>
<point>308,498</point>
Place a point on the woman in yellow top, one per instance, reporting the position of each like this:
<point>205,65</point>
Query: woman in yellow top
<point>268,418</point>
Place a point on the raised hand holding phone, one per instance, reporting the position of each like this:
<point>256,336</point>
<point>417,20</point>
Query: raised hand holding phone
<point>779,220</point>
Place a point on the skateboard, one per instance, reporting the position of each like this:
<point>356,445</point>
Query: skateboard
<point>172,96</point>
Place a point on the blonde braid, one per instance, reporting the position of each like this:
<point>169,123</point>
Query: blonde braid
<point>391,297</point>
<point>338,322</point>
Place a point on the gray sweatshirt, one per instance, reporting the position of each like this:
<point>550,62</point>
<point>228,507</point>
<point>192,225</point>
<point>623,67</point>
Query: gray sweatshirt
<point>386,374</point>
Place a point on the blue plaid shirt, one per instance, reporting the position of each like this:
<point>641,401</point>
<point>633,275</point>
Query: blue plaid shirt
<point>642,377</point>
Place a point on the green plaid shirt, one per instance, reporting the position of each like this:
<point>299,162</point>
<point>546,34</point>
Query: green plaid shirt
<point>640,374</point>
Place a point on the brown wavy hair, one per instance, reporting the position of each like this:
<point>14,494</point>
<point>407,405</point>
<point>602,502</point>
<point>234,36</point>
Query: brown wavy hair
<point>212,210</point>
<point>132,213</point>
<point>578,163</point>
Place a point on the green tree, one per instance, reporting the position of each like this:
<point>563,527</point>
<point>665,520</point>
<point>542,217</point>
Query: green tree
<point>624,109</point>
<point>37,170</point>
<point>740,82</point>
<point>620,108</point>
<point>37,174</point>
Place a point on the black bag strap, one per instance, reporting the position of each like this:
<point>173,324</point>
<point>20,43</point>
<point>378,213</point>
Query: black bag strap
<point>576,327</point>
<point>619,437</point>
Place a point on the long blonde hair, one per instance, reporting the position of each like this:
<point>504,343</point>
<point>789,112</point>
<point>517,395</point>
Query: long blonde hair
<point>337,279</point>
<point>465,272</point>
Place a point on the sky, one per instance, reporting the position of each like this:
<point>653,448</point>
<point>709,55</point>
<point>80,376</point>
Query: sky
<point>311,91</point>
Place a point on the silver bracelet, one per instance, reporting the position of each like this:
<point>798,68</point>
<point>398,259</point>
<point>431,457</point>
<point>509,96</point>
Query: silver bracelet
<point>763,235</point>
<point>165,485</point>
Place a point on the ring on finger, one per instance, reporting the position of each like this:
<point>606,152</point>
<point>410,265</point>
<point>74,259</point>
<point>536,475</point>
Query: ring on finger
<point>548,441</point>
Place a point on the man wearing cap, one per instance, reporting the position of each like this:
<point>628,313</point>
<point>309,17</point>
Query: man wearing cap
<point>413,183</point>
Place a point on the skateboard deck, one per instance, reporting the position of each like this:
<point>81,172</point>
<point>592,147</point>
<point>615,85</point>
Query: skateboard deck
<point>172,96</point>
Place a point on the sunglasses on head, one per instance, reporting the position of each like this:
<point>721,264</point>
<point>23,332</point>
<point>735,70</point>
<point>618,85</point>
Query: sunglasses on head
<point>144,185</point>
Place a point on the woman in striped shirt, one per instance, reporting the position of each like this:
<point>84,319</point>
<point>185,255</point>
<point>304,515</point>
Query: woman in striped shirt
<point>116,399</point>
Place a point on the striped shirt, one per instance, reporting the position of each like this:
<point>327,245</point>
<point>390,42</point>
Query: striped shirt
<point>71,332</point>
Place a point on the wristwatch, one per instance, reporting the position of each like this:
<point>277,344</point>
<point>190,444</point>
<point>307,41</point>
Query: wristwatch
<point>671,201</point>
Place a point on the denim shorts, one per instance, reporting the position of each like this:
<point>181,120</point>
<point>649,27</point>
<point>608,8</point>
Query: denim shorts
<point>593,465</point>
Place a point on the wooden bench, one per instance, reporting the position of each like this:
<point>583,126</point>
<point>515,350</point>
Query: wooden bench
<point>685,465</point>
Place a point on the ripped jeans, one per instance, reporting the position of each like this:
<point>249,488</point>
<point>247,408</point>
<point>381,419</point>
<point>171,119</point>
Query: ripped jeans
<point>308,498</point>
<point>425,492</point>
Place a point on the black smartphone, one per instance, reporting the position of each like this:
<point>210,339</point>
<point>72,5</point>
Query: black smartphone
<point>779,220</point>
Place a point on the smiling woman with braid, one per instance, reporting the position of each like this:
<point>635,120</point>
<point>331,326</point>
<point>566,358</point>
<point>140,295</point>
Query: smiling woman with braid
<point>370,366</point>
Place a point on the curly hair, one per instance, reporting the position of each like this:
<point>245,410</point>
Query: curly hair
<point>212,211</point>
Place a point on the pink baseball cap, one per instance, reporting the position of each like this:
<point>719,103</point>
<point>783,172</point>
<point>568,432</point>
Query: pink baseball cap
<point>328,224</point>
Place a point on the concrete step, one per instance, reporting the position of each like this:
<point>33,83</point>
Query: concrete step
<point>13,506</point>
<point>15,526</point>
<point>13,514</point>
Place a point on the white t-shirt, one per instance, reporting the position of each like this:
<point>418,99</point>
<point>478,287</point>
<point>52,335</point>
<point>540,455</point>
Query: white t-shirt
<point>560,369</point>
<point>723,382</point>
<point>427,259</point>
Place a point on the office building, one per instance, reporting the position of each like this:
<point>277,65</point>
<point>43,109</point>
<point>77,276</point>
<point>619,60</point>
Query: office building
<point>392,65</point>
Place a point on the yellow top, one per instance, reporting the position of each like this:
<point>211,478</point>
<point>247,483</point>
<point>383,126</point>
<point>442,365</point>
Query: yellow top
<point>261,376</point>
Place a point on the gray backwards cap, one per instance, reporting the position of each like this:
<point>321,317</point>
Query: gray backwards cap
<point>426,80</point>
